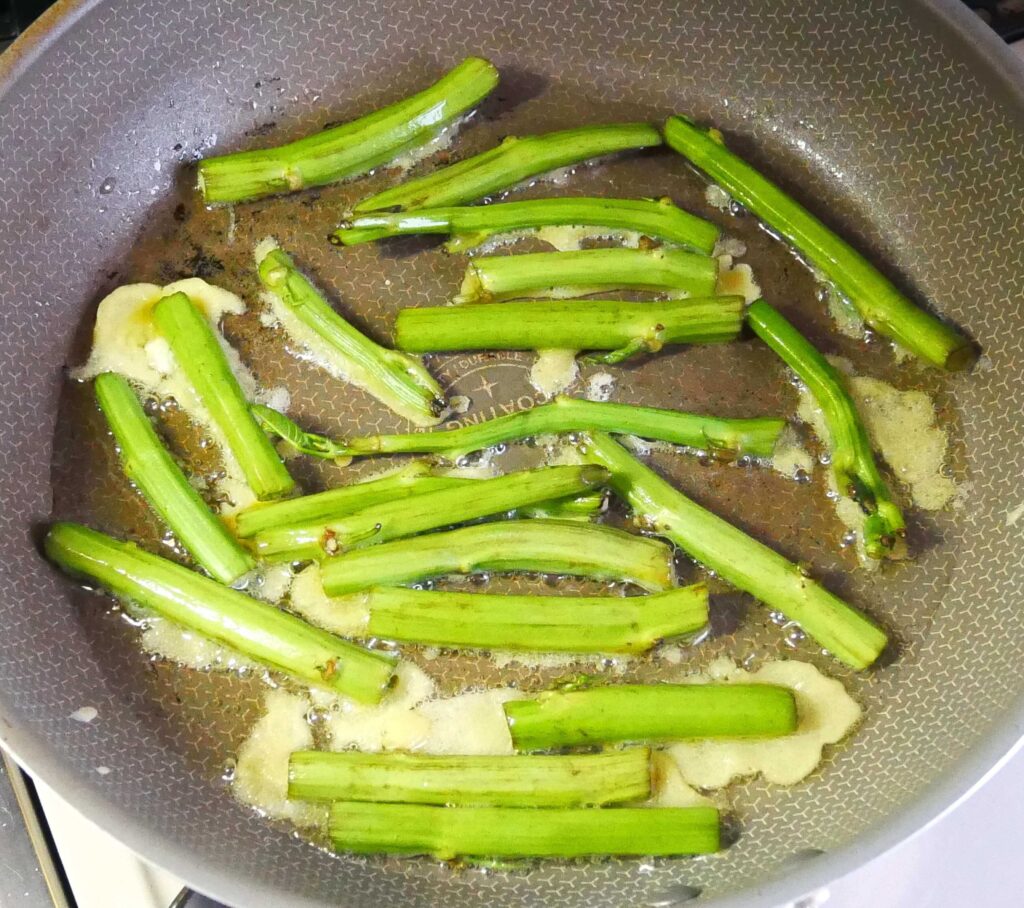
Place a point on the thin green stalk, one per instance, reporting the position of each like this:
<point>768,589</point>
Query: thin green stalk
<point>352,149</point>
<point>205,367</point>
<point>623,328</point>
<point>396,379</point>
<point>427,511</point>
<point>577,780</point>
<point>725,438</point>
<point>853,462</point>
<point>879,303</point>
<point>556,624</point>
<point>147,463</point>
<point>471,226</point>
<point>650,712</point>
<point>266,634</point>
<point>416,479</point>
<point>544,546</point>
<point>739,559</point>
<point>567,274</point>
<point>516,159</point>
<point>447,833</point>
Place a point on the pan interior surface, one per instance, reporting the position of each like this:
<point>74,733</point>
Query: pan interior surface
<point>877,115</point>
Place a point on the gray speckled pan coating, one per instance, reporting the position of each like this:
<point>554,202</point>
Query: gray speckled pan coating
<point>903,122</point>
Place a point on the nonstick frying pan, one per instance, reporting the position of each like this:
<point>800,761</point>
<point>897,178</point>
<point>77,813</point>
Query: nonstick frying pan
<point>901,124</point>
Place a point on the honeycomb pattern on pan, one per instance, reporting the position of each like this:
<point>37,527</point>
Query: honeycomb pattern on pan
<point>864,105</point>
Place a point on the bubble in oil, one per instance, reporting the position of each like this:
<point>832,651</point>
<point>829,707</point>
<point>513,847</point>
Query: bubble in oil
<point>107,186</point>
<point>317,715</point>
<point>794,636</point>
<point>229,769</point>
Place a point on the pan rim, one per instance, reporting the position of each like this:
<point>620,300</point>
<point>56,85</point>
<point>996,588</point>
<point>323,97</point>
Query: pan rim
<point>978,764</point>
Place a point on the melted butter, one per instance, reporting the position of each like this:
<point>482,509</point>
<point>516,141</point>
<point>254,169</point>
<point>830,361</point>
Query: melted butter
<point>827,714</point>
<point>125,338</point>
<point>669,788</point>
<point>261,773</point>
<point>269,582</point>
<point>903,429</point>
<point>391,724</point>
<point>346,616</point>
<point>441,141</point>
<point>566,238</point>
<point>470,723</point>
<point>557,453</point>
<point>125,341</point>
<point>554,371</point>
<point>790,457</point>
<point>615,663</point>
<point>731,246</point>
<point>736,280</point>
<point>717,197</point>
<point>902,425</point>
<point>600,386</point>
<point>561,237</point>
<point>643,447</point>
<point>167,640</point>
<point>409,718</point>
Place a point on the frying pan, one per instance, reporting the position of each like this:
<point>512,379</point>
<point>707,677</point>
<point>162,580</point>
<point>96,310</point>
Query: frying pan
<point>902,124</point>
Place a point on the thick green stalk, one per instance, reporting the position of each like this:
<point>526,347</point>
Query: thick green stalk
<point>415,479</point>
<point>447,833</point>
<point>427,511</point>
<point>544,546</point>
<point>147,463</point>
<point>623,328</point>
<point>577,780</point>
<point>650,712</point>
<point>205,367</point>
<point>744,562</point>
<point>396,379</point>
<point>557,624</point>
<point>348,499</point>
<point>567,274</point>
<point>470,226</point>
<point>516,159</point>
<point>266,634</point>
<point>853,462</point>
<point>723,437</point>
<point>353,148</point>
<point>879,303</point>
